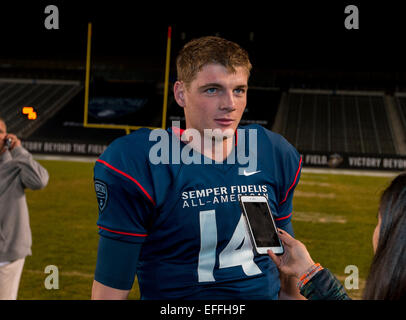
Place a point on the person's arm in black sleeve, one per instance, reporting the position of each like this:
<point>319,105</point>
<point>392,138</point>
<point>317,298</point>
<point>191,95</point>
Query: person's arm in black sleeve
<point>114,276</point>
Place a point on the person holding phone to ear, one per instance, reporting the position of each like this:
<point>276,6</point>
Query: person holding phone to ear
<point>387,276</point>
<point>18,171</point>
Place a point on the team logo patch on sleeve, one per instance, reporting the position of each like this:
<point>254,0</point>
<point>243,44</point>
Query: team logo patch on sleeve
<point>101,193</point>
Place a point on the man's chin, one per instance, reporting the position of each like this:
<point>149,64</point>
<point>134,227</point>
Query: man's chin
<point>221,133</point>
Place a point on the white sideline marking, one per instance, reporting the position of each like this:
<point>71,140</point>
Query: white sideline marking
<point>65,273</point>
<point>64,158</point>
<point>318,217</point>
<point>314,183</point>
<point>303,194</point>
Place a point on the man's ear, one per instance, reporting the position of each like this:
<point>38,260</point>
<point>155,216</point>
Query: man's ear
<point>179,93</point>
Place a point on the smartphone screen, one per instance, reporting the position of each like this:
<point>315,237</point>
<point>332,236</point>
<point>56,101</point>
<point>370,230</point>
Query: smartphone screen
<point>261,223</point>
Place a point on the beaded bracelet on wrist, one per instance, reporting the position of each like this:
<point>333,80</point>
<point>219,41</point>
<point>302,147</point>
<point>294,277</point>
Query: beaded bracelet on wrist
<point>309,274</point>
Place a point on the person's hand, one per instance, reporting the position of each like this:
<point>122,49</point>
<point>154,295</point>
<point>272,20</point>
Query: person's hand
<point>2,146</point>
<point>296,260</point>
<point>15,142</point>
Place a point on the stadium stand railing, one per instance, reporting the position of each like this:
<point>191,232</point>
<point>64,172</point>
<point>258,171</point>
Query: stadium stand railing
<point>400,99</point>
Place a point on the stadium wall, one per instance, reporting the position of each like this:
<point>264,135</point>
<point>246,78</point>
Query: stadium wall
<point>310,159</point>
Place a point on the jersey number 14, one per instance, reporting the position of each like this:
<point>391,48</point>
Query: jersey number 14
<point>234,254</point>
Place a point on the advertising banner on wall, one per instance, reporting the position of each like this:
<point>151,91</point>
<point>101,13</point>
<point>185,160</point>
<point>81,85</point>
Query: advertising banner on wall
<point>354,161</point>
<point>328,160</point>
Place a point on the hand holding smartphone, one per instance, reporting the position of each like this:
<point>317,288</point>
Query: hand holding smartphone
<point>11,141</point>
<point>8,142</point>
<point>261,225</point>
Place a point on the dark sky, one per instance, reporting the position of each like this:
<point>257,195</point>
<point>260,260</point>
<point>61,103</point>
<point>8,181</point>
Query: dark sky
<point>295,34</point>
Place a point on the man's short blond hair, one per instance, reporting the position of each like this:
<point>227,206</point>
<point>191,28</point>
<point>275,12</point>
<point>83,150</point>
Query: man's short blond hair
<point>205,50</point>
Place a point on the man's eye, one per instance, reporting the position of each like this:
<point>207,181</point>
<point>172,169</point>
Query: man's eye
<point>211,90</point>
<point>239,91</point>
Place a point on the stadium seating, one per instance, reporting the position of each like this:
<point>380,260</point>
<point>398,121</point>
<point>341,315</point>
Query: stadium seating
<point>46,97</point>
<point>401,106</point>
<point>320,120</point>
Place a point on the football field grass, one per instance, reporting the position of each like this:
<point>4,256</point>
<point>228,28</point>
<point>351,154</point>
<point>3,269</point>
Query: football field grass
<point>334,216</point>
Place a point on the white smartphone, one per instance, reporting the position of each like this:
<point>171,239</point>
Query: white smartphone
<point>261,225</point>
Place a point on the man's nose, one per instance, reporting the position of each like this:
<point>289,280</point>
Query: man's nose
<point>228,102</point>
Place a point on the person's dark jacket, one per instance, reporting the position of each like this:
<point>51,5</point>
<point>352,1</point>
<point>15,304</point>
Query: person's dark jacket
<point>324,286</point>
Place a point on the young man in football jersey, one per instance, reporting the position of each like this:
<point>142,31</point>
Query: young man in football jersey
<point>178,226</point>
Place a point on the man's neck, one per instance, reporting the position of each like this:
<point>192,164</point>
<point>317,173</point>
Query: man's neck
<point>217,149</point>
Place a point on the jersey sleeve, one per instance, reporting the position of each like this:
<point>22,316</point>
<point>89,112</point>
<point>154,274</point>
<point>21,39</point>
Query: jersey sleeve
<point>112,269</point>
<point>290,170</point>
<point>123,194</point>
<point>286,169</point>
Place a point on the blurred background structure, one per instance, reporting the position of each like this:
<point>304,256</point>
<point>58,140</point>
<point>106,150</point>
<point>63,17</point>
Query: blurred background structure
<point>339,96</point>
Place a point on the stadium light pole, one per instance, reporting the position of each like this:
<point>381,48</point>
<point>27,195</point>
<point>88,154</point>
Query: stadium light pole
<point>166,85</point>
<point>87,80</point>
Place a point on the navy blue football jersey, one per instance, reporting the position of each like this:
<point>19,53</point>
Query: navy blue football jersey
<point>188,218</point>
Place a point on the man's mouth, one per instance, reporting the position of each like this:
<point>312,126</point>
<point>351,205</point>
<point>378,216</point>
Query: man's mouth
<point>224,121</point>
